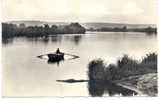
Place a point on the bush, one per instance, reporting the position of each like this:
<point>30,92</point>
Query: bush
<point>125,60</point>
<point>125,67</point>
<point>152,57</point>
<point>96,70</point>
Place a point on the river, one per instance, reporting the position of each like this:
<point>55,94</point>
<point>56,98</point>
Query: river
<point>26,75</point>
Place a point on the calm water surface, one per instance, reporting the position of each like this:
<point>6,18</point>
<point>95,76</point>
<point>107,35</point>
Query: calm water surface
<point>26,75</point>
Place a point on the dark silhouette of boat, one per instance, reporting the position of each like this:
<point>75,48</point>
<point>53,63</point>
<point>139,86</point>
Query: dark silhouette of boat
<point>55,57</point>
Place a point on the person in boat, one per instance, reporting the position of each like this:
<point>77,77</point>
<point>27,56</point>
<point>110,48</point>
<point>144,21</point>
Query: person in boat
<point>58,51</point>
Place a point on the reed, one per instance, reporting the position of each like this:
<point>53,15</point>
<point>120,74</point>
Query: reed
<point>125,67</point>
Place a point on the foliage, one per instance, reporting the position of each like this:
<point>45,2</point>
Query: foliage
<point>12,30</point>
<point>148,30</point>
<point>96,69</point>
<point>125,67</point>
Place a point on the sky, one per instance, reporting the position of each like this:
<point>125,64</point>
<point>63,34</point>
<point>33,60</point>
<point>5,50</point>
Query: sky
<point>112,11</point>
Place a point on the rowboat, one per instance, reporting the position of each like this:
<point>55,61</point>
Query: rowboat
<point>55,57</point>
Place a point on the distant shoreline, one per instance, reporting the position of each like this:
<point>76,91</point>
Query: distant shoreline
<point>148,30</point>
<point>17,29</point>
<point>13,30</point>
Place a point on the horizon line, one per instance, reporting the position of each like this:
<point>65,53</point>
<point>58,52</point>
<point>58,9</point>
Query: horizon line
<point>81,22</point>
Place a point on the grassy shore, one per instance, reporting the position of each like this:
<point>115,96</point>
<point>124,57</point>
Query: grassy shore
<point>141,75</point>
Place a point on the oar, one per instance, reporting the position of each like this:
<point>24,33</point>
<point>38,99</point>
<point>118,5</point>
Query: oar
<point>45,54</point>
<point>41,55</point>
<point>75,56</point>
<point>71,55</point>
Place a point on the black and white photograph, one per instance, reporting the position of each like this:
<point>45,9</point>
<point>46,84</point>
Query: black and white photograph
<point>79,48</point>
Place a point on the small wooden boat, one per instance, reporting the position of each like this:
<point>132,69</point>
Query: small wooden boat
<point>55,57</point>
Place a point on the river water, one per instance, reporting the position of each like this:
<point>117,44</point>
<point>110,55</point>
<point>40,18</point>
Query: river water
<point>26,75</point>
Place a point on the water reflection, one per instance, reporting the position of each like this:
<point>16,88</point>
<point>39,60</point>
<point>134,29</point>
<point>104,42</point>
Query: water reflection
<point>56,38</point>
<point>109,46</point>
<point>100,84</point>
<point>55,62</point>
<point>77,39</point>
<point>151,35</point>
<point>7,41</point>
<point>46,39</point>
<point>99,88</point>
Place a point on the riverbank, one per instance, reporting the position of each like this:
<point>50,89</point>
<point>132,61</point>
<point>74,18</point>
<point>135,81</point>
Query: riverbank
<point>145,85</point>
<point>140,76</point>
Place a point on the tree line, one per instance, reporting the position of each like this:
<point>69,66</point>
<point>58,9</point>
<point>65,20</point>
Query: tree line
<point>148,30</point>
<point>12,30</point>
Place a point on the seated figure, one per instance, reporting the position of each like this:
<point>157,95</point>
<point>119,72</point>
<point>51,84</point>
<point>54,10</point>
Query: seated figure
<point>58,50</point>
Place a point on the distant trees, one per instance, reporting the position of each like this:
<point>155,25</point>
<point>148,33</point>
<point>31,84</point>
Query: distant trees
<point>22,25</point>
<point>75,28</point>
<point>124,28</point>
<point>8,30</point>
<point>148,30</point>
<point>11,30</point>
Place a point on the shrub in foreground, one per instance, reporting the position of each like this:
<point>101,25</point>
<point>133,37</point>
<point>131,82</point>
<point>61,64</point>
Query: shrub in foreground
<point>125,67</point>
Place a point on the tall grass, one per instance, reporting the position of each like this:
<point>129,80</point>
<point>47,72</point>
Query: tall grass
<point>96,69</point>
<point>101,77</point>
<point>125,67</point>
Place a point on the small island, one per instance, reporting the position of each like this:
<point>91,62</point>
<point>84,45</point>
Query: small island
<point>13,30</point>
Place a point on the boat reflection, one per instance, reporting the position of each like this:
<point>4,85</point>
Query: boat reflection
<point>55,62</point>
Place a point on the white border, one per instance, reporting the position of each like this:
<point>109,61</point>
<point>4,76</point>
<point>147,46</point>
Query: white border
<point>71,98</point>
